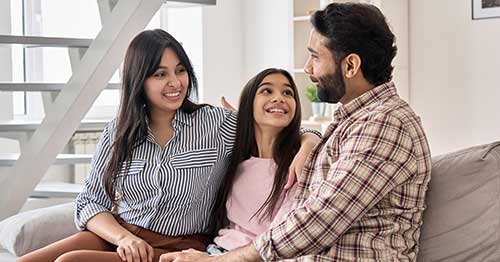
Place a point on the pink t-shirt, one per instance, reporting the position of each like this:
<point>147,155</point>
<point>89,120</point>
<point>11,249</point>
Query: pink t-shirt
<point>252,185</point>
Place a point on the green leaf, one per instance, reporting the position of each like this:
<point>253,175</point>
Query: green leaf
<point>312,93</point>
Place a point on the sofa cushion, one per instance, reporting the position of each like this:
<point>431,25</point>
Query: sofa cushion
<point>462,219</point>
<point>30,230</point>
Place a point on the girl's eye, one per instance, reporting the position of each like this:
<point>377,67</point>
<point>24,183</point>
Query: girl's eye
<point>181,70</point>
<point>288,92</point>
<point>266,91</point>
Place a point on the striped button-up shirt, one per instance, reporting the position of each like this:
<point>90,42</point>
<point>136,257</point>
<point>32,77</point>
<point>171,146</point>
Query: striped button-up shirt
<point>169,190</point>
<point>361,194</point>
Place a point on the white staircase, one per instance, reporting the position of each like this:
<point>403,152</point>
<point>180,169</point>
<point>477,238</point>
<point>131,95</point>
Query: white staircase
<point>93,63</point>
<point>42,87</point>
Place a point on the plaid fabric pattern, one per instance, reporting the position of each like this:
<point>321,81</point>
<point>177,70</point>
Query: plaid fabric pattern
<point>362,191</point>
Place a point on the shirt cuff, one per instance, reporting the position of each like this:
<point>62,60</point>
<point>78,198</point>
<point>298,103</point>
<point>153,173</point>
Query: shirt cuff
<point>86,213</point>
<point>264,245</point>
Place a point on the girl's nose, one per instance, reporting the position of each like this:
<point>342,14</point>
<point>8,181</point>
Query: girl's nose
<point>277,98</point>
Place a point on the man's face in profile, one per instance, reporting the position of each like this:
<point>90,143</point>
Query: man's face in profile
<point>323,71</point>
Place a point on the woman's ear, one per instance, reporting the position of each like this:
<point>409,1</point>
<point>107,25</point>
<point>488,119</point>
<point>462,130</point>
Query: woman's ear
<point>352,65</point>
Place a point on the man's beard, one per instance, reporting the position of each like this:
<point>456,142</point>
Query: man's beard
<point>331,87</point>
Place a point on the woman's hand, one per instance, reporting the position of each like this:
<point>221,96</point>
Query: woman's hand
<point>186,256</point>
<point>226,104</point>
<point>134,249</point>
<point>308,142</point>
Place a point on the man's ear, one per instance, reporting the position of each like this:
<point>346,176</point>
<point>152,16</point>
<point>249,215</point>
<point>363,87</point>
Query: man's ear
<point>352,65</point>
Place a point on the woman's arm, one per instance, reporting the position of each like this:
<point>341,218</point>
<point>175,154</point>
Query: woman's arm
<point>130,247</point>
<point>93,207</point>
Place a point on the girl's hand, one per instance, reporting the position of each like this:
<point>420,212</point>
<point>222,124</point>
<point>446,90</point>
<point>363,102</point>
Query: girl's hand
<point>308,142</point>
<point>134,249</point>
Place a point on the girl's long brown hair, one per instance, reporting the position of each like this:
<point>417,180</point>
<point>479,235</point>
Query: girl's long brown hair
<point>142,59</point>
<point>245,146</point>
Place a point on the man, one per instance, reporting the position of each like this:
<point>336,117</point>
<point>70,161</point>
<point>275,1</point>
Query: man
<point>361,194</point>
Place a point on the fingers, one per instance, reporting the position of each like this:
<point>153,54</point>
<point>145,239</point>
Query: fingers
<point>136,255</point>
<point>151,253</point>
<point>121,253</point>
<point>291,177</point>
<point>226,104</point>
<point>143,253</point>
<point>128,254</point>
<point>169,257</point>
<point>134,249</point>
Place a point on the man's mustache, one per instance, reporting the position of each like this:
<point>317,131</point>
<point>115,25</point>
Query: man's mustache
<point>313,79</point>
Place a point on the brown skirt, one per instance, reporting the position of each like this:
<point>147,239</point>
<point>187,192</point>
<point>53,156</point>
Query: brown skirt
<point>168,243</point>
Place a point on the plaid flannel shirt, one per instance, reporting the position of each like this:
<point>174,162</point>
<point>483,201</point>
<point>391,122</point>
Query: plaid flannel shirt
<point>361,194</point>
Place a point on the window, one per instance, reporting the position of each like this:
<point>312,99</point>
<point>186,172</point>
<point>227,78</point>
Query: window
<point>51,18</point>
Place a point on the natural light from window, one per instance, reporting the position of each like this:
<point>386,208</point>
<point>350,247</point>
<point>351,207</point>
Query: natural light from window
<point>52,65</point>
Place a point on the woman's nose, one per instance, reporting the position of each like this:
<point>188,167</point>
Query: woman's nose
<point>173,82</point>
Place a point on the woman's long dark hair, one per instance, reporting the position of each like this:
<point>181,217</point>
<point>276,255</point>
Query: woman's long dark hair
<point>284,149</point>
<point>142,59</point>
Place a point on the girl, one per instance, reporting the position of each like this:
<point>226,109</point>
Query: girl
<point>157,167</point>
<point>267,139</point>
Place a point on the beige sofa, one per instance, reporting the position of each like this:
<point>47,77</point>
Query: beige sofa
<point>462,219</point>
<point>461,223</point>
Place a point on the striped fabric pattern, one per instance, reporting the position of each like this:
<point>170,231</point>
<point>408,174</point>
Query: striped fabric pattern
<point>361,194</point>
<point>170,191</point>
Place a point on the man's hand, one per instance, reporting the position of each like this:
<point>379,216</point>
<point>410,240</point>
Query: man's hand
<point>308,142</point>
<point>186,256</point>
<point>247,253</point>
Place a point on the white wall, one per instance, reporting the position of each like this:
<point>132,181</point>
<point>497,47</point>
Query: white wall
<point>267,31</point>
<point>455,74</point>
<point>240,38</point>
<point>223,60</point>
<point>396,13</point>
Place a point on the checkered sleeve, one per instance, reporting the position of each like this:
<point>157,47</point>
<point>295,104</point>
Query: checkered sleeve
<point>376,156</point>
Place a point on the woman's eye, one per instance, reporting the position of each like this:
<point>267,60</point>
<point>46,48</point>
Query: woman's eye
<point>181,70</point>
<point>159,74</point>
<point>288,93</point>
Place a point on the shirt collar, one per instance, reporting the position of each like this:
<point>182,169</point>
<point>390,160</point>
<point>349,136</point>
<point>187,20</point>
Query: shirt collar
<point>182,117</point>
<point>378,93</point>
<point>150,137</point>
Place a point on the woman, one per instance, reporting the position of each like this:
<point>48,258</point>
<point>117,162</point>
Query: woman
<point>267,139</point>
<point>157,167</point>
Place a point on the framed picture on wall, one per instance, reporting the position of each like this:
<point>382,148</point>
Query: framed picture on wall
<point>485,9</point>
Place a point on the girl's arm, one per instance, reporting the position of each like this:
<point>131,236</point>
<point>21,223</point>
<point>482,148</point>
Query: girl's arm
<point>309,139</point>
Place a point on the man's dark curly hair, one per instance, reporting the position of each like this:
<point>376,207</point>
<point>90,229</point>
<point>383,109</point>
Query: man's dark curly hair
<point>361,29</point>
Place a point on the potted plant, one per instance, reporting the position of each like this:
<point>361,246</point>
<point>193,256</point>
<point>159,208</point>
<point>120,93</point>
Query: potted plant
<point>318,108</point>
